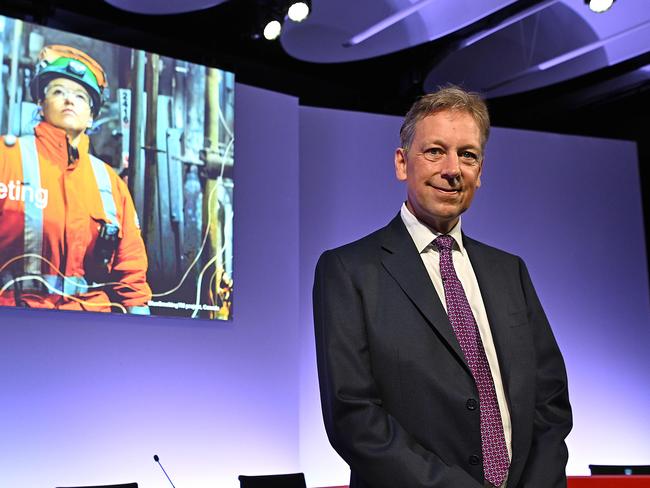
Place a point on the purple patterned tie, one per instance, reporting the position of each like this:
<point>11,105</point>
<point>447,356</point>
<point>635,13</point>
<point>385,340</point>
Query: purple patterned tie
<point>495,452</point>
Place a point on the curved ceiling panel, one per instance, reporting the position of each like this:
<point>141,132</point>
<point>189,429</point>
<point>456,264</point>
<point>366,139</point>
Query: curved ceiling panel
<point>562,41</point>
<point>378,27</point>
<point>163,7</point>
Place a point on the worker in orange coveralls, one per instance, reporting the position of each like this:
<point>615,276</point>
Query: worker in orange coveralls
<point>69,234</point>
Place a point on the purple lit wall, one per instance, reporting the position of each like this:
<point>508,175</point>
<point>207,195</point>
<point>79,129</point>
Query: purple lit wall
<point>90,398</point>
<point>573,208</point>
<point>569,205</point>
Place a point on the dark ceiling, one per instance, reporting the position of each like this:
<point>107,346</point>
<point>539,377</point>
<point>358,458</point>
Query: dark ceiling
<point>595,104</point>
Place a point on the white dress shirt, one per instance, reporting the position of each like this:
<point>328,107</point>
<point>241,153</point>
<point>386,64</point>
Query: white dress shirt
<point>423,237</point>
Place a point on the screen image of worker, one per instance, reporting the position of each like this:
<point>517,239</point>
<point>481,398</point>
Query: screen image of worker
<point>69,233</point>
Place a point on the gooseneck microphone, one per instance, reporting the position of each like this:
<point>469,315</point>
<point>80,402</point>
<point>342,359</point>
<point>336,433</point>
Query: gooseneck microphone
<point>157,459</point>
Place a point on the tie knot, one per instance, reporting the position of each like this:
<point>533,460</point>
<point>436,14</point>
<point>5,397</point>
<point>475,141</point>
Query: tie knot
<point>444,242</point>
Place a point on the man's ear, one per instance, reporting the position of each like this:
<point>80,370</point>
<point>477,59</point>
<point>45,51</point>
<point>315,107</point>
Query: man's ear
<point>480,171</point>
<point>400,164</point>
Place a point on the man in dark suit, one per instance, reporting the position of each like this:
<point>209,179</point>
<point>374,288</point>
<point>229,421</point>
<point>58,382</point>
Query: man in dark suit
<point>437,365</point>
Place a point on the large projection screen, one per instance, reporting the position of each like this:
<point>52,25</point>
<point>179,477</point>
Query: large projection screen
<point>157,170</point>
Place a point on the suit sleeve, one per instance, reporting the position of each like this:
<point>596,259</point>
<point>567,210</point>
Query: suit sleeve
<point>365,435</point>
<point>552,422</point>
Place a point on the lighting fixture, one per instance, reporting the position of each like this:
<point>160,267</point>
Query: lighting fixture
<point>272,30</point>
<point>299,11</point>
<point>274,13</point>
<point>599,6</point>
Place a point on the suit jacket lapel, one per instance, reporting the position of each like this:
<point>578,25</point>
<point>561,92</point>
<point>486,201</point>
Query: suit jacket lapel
<point>402,260</point>
<point>492,283</point>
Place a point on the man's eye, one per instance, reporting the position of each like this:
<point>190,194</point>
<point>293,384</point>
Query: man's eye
<point>469,156</point>
<point>57,92</point>
<point>433,152</point>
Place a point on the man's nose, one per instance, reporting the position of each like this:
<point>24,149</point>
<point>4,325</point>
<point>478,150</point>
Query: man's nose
<point>450,166</point>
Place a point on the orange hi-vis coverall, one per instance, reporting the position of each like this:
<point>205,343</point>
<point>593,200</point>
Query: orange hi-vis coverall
<point>51,213</point>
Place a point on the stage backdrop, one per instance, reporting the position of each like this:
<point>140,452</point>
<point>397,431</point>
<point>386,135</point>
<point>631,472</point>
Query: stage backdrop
<point>88,399</point>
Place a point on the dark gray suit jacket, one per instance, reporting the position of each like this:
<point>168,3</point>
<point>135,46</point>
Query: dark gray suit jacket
<point>399,401</point>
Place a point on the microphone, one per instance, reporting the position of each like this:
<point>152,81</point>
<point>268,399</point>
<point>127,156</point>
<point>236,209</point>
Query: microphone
<point>157,459</point>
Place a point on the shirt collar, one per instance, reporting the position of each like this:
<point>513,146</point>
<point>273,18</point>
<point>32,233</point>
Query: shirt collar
<point>423,235</point>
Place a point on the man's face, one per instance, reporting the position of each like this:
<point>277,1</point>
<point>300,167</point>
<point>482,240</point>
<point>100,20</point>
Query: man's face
<point>442,168</point>
<point>66,105</point>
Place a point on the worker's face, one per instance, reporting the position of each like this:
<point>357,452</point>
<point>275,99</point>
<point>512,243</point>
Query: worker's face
<point>66,105</point>
<point>442,168</point>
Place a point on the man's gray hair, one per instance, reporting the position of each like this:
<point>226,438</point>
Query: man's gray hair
<point>449,97</point>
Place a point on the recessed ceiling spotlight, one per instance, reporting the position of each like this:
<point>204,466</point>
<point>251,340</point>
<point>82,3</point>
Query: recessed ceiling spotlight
<point>599,6</point>
<point>298,11</point>
<point>272,30</point>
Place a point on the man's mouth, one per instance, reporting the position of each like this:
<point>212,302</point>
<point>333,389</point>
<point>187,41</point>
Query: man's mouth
<point>450,191</point>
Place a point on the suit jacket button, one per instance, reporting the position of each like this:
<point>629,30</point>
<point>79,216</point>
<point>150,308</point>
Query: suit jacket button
<point>474,460</point>
<point>471,404</point>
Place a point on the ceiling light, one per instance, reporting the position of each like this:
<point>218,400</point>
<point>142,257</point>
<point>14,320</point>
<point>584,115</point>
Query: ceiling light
<point>599,6</point>
<point>272,30</point>
<point>298,11</point>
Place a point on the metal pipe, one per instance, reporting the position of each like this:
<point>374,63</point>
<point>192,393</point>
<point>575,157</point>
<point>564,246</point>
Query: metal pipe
<point>136,132</point>
<point>13,80</point>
